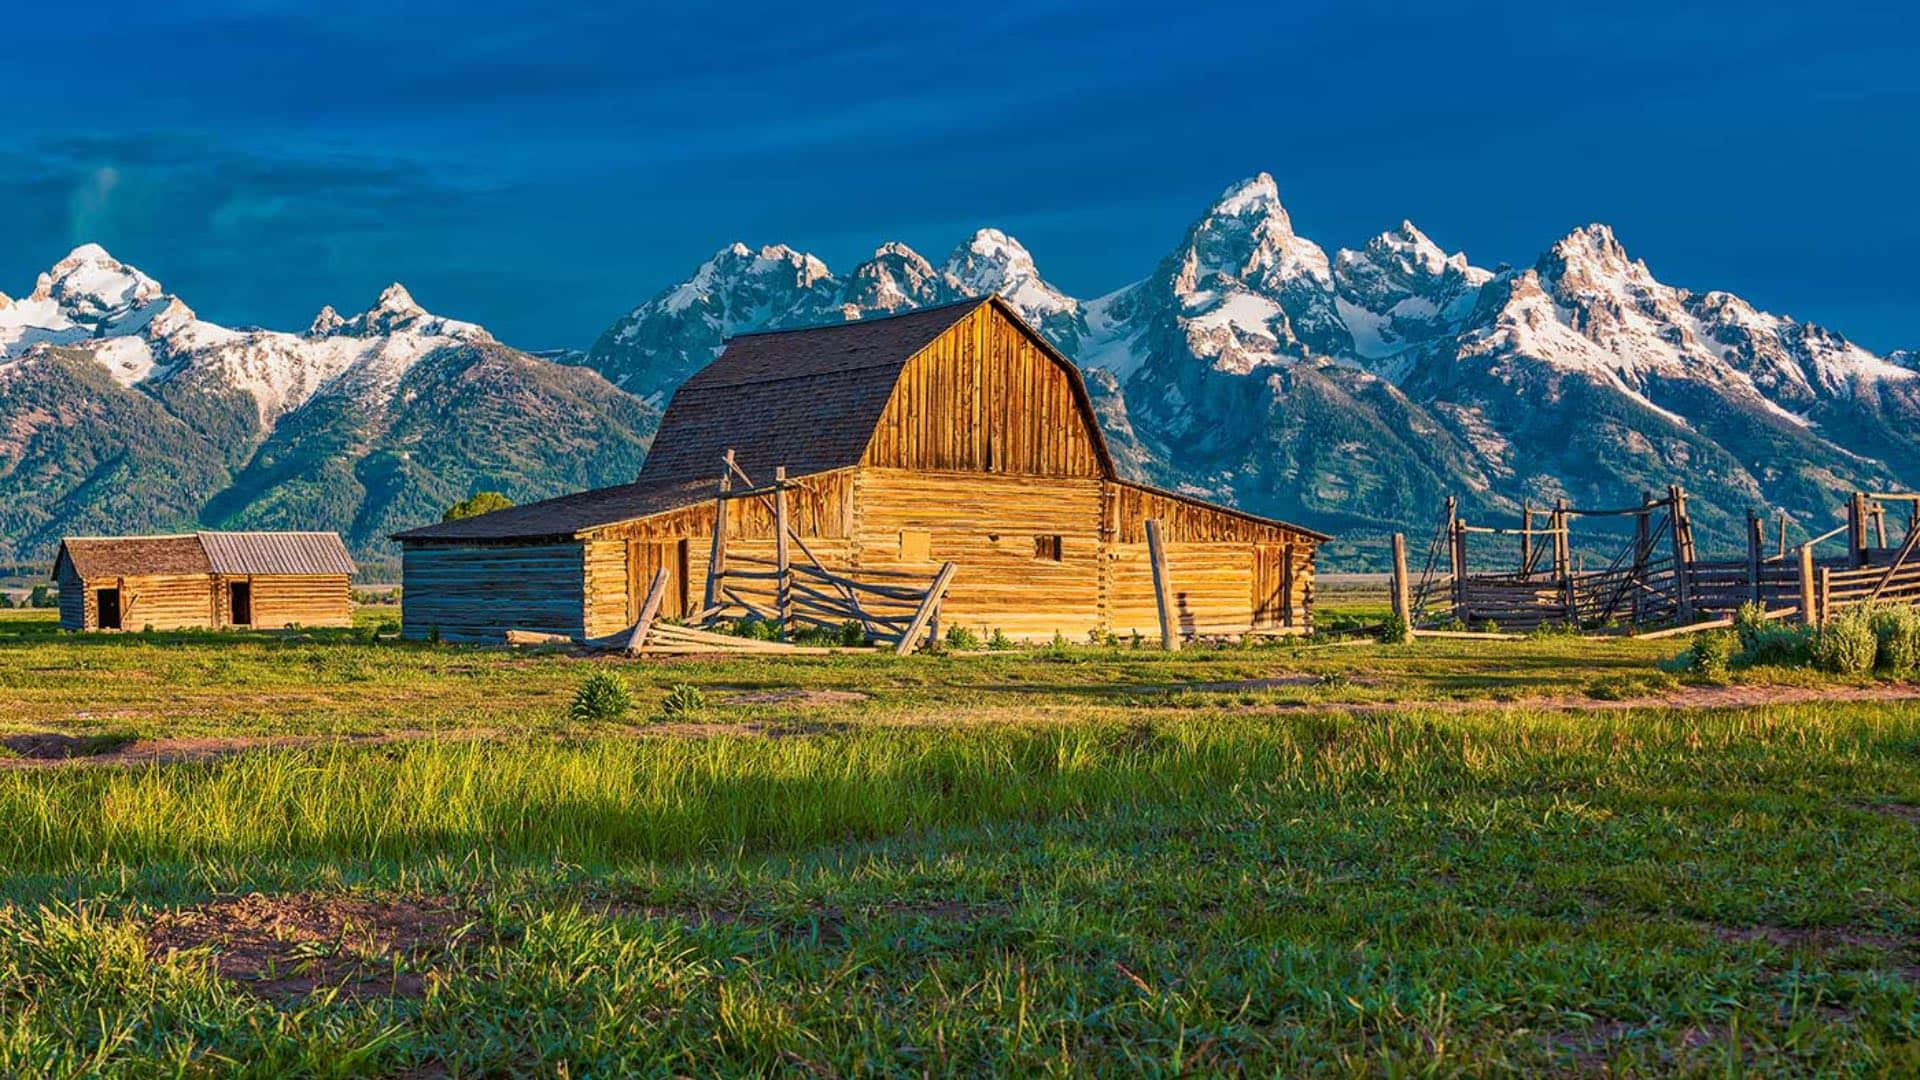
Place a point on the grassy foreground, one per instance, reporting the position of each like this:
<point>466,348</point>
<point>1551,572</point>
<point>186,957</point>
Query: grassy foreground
<point>1105,863</point>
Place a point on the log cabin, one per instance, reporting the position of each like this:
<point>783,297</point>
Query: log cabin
<point>263,580</point>
<point>947,434</point>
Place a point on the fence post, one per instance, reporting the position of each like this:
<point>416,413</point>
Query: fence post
<point>717,558</point>
<point>1526,540</point>
<point>1457,545</point>
<point>1642,547</point>
<point>1826,594</point>
<point>1756,538</point>
<point>782,559</point>
<point>1682,552</point>
<point>1402,598</point>
<point>1809,614</point>
<point>1857,529</point>
<point>1162,588</point>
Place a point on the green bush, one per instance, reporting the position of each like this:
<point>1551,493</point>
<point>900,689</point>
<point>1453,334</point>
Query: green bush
<point>601,698</point>
<point>43,596</point>
<point>682,702</point>
<point>1847,644</point>
<point>1711,656</point>
<point>1395,631</point>
<point>755,628</point>
<point>1749,623</point>
<point>1774,643</point>
<point>1897,632</point>
<point>961,638</point>
<point>999,641</point>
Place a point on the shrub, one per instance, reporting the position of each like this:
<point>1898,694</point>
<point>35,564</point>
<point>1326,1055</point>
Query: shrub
<point>1847,644</point>
<point>602,697</point>
<point>1897,633</point>
<point>961,638</point>
<point>999,641</point>
<point>1749,623</point>
<point>756,628</point>
<point>1711,656</point>
<point>852,634</point>
<point>682,702</point>
<point>1395,631</point>
<point>43,596</point>
<point>480,502</point>
<point>1774,643</point>
<point>1057,648</point>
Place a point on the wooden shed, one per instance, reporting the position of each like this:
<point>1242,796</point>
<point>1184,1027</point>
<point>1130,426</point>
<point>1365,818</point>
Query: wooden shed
<point>206,579</point>
<point>950,434</point>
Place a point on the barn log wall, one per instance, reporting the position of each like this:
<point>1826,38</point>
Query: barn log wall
<point>1230,572</point>
<point>987,524</point>
<point>282,600</point>
<point>159,601</point>
<point>76,603</point>
<point>478,593</point>
<point>985,397</point>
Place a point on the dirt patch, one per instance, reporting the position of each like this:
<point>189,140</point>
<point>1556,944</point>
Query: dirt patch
<point>795,695</point>
<point>1589,1048</point>
<point>1898,811</point>
<point>1811,937</point>
<point>286,947</point>
<point>53,746</point>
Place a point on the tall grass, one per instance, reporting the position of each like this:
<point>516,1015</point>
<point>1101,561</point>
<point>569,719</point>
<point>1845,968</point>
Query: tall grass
<point>618,799</point>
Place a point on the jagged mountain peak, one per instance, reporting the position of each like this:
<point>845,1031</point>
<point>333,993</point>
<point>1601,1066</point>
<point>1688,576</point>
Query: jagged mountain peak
<point>1257,194</point>
<point>897,278</point>
<point>993,262</point>
<point>90,285</point>
<point>396,300</point>
<point>325,322</point>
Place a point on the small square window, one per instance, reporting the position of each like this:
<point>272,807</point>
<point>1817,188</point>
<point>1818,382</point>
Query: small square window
<point>916,545</point>
<point>1046,548</point>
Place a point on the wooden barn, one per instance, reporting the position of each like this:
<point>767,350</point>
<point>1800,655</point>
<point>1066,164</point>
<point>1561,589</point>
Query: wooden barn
<point>266,580</point>
<point>953,434</point>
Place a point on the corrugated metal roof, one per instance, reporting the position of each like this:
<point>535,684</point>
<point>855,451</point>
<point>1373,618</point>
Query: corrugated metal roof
<point>276,553</point>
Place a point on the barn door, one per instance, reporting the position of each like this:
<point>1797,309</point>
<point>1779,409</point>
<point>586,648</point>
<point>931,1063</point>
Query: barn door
<point>1272,586</point>
<point>644,559</point>
<point>107,601</point>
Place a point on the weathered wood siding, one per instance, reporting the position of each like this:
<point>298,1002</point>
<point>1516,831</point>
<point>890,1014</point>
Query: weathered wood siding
<point>1230,572</point>
<point>478,593</point>
<point>160,601</point>
<point>986,397</point>
<point>73,599</point>
<point>988,524</point>
<point>282,600</point>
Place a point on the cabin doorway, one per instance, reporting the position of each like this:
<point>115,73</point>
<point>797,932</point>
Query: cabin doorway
<point>240,603</point>
<point>108,603</point>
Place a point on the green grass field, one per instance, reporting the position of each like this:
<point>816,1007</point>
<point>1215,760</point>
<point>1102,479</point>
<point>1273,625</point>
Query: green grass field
<point>325,854</point>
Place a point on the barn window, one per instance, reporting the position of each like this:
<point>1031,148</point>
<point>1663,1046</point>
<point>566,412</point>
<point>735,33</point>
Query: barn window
<point>916,545</point>
<point>1047,548</point>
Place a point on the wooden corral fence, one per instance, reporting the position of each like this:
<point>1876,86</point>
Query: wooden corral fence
<point>1655,578</point>
<point>895,609</point>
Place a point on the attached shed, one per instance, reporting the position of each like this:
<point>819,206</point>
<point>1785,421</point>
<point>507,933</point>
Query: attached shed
<point>949,434</point>
<point>265,580</point>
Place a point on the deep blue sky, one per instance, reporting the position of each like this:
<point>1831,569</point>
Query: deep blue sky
<point>540,169</point>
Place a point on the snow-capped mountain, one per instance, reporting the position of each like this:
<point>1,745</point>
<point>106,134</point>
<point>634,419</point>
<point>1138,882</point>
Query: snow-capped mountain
<point>652,348</point>
<point>1356,390</point>
<point>123,410</point>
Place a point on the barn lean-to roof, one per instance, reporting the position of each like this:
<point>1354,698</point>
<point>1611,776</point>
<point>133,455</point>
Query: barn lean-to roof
<point>807,398</point>
<point>249,553</point>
